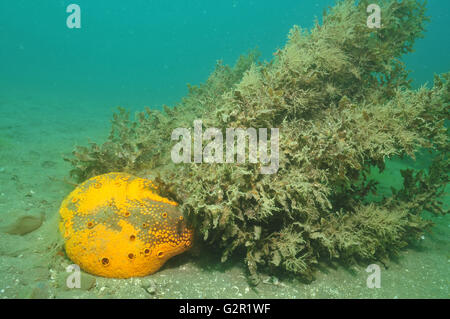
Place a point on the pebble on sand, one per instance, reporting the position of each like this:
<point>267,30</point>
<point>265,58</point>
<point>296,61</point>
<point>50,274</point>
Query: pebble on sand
<point>24,225</point>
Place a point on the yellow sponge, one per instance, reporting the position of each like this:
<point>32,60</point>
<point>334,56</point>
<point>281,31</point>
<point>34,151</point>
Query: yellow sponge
<point>115,225</point>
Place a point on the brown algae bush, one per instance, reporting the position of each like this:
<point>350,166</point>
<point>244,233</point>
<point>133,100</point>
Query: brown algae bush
<point>341,98</point>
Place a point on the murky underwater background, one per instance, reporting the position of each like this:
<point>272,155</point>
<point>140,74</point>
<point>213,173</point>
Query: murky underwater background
<point>144,53</point>
<point>59,86</point>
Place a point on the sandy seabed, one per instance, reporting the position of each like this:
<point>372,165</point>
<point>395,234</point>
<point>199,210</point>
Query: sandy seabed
<point>35,133</point>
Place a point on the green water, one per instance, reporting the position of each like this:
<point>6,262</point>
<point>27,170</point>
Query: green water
<point>58,87</point>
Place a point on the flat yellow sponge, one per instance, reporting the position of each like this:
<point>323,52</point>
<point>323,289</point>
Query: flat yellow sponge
<point>115,225</point>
